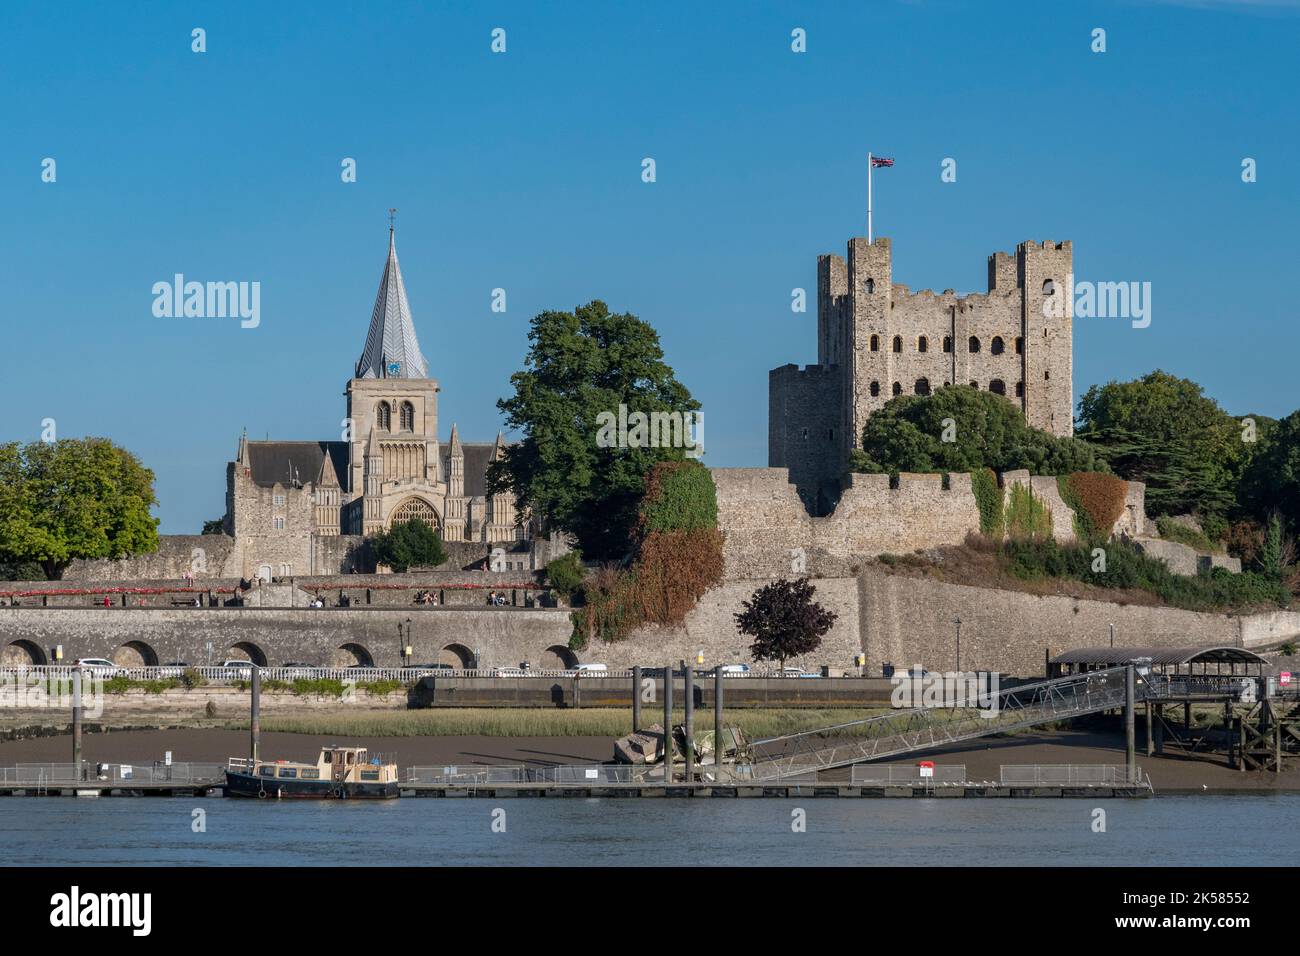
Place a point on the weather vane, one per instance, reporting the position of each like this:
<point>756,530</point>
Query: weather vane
<point>392,214</point>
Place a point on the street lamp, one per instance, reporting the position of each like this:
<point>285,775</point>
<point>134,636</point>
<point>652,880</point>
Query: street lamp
<point>957,621</point>
<point>1112,635</point>
<point>409,651</point>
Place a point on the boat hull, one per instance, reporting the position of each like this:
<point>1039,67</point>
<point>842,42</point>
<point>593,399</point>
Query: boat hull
<point>247,785</point>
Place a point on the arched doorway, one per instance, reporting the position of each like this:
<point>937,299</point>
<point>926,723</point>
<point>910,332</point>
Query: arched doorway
<point>247,651</point>
<point>22,653</point>
<point>416,507</point>
<point>349,655</point>
<point>559,658</point>
<point>457,655</point>
<point>135,654</point>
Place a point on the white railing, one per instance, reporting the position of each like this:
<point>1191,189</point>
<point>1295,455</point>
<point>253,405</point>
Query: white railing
<point>1065,775</point>
<point>868,775</point>
<point>55,774</point>
<point>479,776</point>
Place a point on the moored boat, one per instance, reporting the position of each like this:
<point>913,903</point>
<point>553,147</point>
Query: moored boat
<point>340,773</point>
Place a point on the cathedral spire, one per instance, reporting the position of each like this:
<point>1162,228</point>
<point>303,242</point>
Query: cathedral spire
<point>392,350</point>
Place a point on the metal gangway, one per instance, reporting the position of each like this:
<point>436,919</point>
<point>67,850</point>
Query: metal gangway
<point>926,728</point>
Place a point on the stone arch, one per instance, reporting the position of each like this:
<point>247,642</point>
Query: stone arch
<point>22,653</point>
<point>457,655</point>
<point>559,658</point>
<point>384,416</point>
<point>974,344</point>
<point>1049,287</point>
<point>997,347</point>
<point>923,344</point>
<point>898,343</point>
<point>135,654</point>
<point>346,655</point>
<point>416,507</point>
<point>898,388</point>
<point>247,650</point>
<point>998,387</point>
<point>875,343</point>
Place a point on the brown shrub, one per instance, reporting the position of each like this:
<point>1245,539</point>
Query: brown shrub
<point>1101,497</point>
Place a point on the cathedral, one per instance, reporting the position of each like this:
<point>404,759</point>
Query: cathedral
<point>303,507</point>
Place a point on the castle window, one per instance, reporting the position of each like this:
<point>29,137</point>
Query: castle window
<point>922,386</point>
<point>1020,389</point>
<point>998,387</point>
<point>898,343</point>
<point>1049,287</point>
<point>277,499</point>
<point>1047,374</point>
<point>898,389</point>
<point>869,286</point>
<point>278,523</point>
<point>947,343</point>
<point>875,343</point>
<point>875,389</point>
<point>923,344</point>
<point>408,417</point>
<point>1020,345</point>
<point>384,414</point>
<point>973,344</point>
<point>996,346</point>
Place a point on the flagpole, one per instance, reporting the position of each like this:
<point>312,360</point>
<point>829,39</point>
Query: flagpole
<point>868,198</point>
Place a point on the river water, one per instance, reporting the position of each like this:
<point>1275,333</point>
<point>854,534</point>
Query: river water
<point>1173,830</point>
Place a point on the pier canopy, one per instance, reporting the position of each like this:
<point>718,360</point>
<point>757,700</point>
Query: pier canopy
<point>1165,660</point>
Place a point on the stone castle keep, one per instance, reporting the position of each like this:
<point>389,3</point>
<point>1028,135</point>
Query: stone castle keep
<point>297,507</point>
<point>877,339</point>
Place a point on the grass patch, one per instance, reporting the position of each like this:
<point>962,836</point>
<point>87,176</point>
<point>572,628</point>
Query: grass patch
<point>1172,530</point>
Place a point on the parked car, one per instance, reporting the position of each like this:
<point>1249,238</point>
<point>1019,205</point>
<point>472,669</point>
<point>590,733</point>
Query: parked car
<point>173,668</point>
<point>97,665</point>
<point>791,671</point>
<point>294,669</point>
<point>238,669</point>
<point>594,670</point>
<point>735,670</point>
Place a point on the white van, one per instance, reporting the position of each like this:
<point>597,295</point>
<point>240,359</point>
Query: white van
<point>592,669</point>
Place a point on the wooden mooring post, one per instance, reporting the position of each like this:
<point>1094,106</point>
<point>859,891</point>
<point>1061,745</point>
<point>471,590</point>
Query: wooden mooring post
<point>668,724</point>
<point>717,723</point>
<point>77,713</point>
<point>255,715</point>
<point>688,693</point>
<point>1130,730</point>
<point>636,698</point>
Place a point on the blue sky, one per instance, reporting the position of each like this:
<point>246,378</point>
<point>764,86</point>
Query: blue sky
<point>522,171</point>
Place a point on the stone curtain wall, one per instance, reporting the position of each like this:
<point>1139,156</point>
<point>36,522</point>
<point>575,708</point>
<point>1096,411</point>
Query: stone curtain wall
<point>764,520</point>
<point>175,555</point>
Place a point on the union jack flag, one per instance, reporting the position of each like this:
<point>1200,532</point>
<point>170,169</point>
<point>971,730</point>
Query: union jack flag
<point>881,161</point>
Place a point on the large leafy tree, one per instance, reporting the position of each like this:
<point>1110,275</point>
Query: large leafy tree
<point>960,428</point>
<point>581,364</point>
<point>1162,430</point>
<point>408,544</point>
<point>74,498</point>
<point>1271,480</point>
<point>784,620</point>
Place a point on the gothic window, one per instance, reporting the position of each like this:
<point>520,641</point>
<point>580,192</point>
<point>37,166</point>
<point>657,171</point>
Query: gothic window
<point>898,343</point>
<point>974,344</point>
<point>1020,389</point>
<point>898,389</point>
<point>1049,287</point>
<point>947,343</point>
<point>875,389</point>
<point>408,417</point>
<point>1020,345</point>
<point>875,343</point>
<point>277,523</point>
<point>923,344</point>
<point>922,386</point>
<point>869,286</point>
<point>415,508</point>
<point>384,414</point>
<point>996,346</point>
<point>998,387</point>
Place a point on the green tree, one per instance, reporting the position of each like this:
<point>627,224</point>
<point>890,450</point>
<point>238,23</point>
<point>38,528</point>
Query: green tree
<point>784,620</point>
<point>408,544</point>
<point>1271,478</point>
<point>581,364</point>
<point>74,498</point>
<point>215,526</point>
<point>1164,431</point>
<point>987,431</point>
<point>564,574</point>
